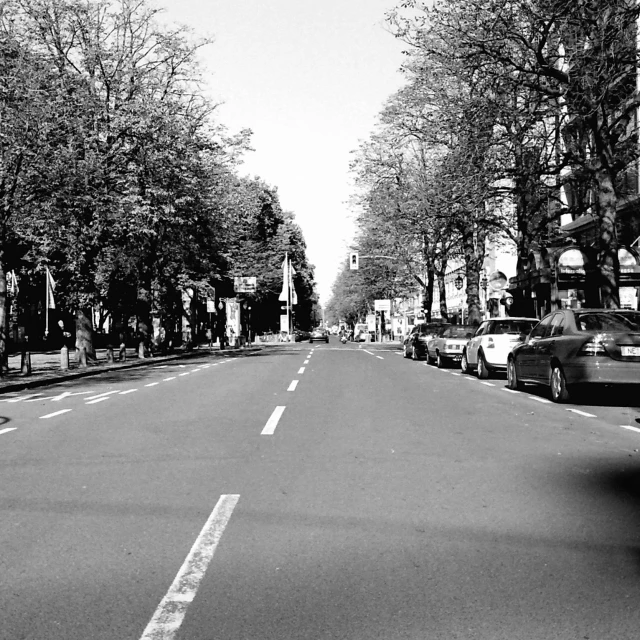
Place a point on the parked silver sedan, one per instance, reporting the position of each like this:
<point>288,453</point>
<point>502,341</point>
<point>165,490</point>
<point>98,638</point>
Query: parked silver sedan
<point>448,344</point>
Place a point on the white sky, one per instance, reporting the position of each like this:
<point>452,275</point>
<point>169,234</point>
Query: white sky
<point>309,79</point>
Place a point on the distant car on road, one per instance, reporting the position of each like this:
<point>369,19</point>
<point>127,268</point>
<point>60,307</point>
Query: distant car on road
<point>447,346</point>
<point>571,347</point>
<point>414,345</point>
<point>319,334</point>
<point>487,351</point>
<point>300,335</point>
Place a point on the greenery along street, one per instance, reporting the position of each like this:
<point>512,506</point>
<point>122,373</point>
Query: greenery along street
<point>513,113</point>
<point>116,174</point>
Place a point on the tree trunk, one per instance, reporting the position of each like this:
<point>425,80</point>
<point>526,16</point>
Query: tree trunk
<point>84,334</point>
<point>442,290</point>
<point>428,295</point>
<point>474,247</point>
<point>608,262</point>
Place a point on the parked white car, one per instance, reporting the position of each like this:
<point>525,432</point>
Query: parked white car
<point>487,351</point>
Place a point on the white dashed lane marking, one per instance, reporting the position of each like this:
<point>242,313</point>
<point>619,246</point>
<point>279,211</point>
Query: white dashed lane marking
<point>151,384</point>
<point>186,373</point>
<point>170,613</point>
<point>537,399</point>
<point>301,370</point>
<point>272,422</point>
<point>306,362</point>
<point>582,413</point>
<point>167,379</point>
<point>381,358</point>
<point>293,385</point>
<point>55,413</point>
<point>630,428</point>
<point>97,400</point>
<point>100,395</point>
<point>124,393</point>
<point>7,430</point>
<point>488,384</point>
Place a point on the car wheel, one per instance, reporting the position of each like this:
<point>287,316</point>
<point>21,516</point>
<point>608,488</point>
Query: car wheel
<point>558,384</point>
<point>415,355</point>
<point>430,360</point>
<point>512,377</point>
<point>440,361</point>
<point>482,370</point>
<point>404,351</point>
<point>464,363</point>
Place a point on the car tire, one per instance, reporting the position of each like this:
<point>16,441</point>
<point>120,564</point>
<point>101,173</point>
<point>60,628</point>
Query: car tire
<point>558,384</point>
<point>440,361</point>
<point>430,360</point>
<point>404,351</point>
<point>415,356</point>
<point>464,363</point>
<point>481,370</point>
<point>512,376</point>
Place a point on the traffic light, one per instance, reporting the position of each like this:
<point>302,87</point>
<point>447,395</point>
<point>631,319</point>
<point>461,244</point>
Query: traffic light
<point>353,260</point>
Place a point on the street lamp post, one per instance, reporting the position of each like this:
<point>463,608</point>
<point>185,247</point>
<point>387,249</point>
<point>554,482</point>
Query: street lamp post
<point>483,283</point>
<point>459,283</point>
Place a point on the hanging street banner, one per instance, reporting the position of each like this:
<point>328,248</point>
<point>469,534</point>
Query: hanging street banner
<point>244,284</point>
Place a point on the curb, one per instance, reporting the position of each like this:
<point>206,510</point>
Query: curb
<point>44,379</point>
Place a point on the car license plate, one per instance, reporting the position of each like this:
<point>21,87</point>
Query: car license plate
<point>630,351</point>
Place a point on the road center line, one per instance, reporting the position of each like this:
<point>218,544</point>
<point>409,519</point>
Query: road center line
<point>293,385</point>
<point>301,370</point>
<point>582,413</point>
<point>170,613</point>
<point>272,422</point>
<point>7,430</point>
<point>626,426</point>
<point>55,413</point>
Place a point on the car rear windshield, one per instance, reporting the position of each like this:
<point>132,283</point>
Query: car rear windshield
<point>620,321</point>
<point>514,326</point>
<point>459,331</point>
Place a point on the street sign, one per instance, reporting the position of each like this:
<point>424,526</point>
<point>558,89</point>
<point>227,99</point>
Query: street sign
<point>245,284</point>
<point>353,261</point>
<point>211,306</point>
<point>382,305</point>
<point>371,321</point>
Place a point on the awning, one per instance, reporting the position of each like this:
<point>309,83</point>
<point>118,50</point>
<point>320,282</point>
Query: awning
<point>579,223</point>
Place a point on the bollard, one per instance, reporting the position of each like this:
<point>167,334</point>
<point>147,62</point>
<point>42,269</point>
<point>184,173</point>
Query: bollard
<point>122,354</point>
<point>82,357</point>
<point>25,360</point>
<point>64,358</point>
<point>109,354</point>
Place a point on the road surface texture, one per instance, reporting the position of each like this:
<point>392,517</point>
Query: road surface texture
<point>317,492</point>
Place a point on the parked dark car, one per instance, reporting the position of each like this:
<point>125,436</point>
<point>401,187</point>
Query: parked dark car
<point>415,344</point>
<point>573,347</point>
<point>299,335</point>
<point>319,334</point>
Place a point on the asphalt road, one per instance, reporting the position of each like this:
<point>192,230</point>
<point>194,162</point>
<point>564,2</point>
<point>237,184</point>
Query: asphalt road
<point>316,491</point>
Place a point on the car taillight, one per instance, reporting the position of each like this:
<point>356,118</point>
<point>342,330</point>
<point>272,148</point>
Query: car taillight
<point>593,347</point>
<point>490,343</point>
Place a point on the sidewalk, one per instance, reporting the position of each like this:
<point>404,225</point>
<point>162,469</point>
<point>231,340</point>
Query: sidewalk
<point>45,366</point>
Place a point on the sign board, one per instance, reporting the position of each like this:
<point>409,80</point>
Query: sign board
<point>245,284</point>
<point>211,306</point>
<point>371,321</point>
<point>284,323</point>
<point>382,305</point>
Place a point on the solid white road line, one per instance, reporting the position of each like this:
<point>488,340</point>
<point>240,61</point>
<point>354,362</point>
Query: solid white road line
<point>488,384</point>
<point>381,358</point>
<point>31,395</point>
<point>100,395</point>
<point>293,385</point>
<point>167,379</point>
<point>151,384</point>
<point>510,390</point>
<point>540,399</point>
<point>97,400</point>
<point>124,393</point>
<point>272,422</point>
<point>582,413</point>
<point>55,413</point>
<point>170,613</point>
<point>301,370</point>
<point>7,430</point>
<point>630,428</point>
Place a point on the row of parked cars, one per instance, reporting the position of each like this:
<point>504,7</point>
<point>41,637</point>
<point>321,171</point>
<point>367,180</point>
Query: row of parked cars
<point>567,349</point>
